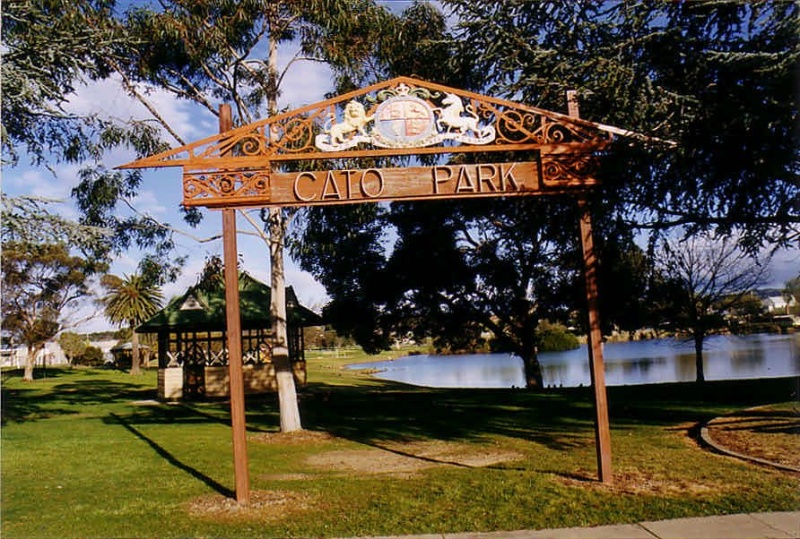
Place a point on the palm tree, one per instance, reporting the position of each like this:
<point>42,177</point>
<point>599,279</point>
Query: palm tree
<point>130,301</point>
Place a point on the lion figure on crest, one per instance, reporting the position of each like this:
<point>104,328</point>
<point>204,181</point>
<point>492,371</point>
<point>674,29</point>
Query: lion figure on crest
<point>355,119</point>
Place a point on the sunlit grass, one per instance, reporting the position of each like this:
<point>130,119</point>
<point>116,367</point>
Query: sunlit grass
<point>86,453</point>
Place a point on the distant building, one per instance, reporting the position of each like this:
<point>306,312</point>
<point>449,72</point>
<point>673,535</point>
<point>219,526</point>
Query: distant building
<point>15,356</point>
<point>778,304</point>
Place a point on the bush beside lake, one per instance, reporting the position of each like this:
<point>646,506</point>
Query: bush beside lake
<point>553,337</point>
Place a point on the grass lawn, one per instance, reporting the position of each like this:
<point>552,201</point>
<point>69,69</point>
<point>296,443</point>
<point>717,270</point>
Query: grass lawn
<point>88,453</point>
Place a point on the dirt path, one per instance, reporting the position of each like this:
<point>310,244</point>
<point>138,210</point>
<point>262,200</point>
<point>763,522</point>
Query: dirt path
<point>404,459</point>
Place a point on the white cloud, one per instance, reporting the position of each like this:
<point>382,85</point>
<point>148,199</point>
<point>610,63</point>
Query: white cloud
<point>148,203</point>
<point>187,278</point>
<point>306,82</point>
<point>310,292</point>
<point>108,99</point>
<point>784,266</point>
<point>55,185</point>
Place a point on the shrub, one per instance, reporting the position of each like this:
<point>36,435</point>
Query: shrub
<point>554,337</point>
<point>92,357</point>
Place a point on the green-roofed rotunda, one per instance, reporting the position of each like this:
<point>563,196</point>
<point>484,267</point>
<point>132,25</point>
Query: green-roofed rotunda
<point>192,340</point>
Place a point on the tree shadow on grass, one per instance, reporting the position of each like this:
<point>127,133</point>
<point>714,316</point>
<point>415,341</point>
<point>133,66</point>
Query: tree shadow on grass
<point>33,402</point>
<point>399,413</point>
<point>261,411</point>
<point>23,405</point>
<point>171,459</point>
<point>560,419</point>
<point>669,404</point>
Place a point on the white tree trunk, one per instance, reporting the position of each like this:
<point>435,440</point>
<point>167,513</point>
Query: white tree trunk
<point>30,361</point>
<point>287,393</point>
<point>135,361</point>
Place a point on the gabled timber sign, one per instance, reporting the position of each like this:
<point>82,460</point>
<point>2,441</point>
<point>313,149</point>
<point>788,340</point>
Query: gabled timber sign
<point>539,153</point>
<point>401,117</point>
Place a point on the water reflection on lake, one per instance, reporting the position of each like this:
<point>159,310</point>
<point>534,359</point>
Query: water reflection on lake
<point>639,362</point>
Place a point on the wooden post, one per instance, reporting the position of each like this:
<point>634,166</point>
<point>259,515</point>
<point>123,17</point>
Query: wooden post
<point>234,329</point>
<point>601,426</point>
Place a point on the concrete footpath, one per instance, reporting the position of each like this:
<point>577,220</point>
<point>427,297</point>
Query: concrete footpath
<point>745,526</point>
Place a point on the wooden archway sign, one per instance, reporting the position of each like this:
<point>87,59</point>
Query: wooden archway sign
<point>241,167</point>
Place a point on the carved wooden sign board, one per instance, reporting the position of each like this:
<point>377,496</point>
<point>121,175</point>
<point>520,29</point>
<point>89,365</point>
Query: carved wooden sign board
<point>246,166</point>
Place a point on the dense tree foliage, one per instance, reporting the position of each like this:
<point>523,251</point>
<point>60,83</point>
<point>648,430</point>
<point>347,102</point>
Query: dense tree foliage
<point>52,48</point>
<point>40,283</point>
<point>717,78</point>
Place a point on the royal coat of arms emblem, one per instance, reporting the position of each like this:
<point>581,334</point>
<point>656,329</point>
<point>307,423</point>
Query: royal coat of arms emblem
<point>403,120</point>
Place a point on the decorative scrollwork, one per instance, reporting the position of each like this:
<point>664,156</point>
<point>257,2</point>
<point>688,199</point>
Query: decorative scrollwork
<point>252,145</point>
<point>205,186</point>
<point>249,144</point>
<point>569,170</point>
<point>516,127</point>
<point>296,134</point>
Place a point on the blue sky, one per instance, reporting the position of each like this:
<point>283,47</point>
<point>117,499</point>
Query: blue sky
<point>160,192</point>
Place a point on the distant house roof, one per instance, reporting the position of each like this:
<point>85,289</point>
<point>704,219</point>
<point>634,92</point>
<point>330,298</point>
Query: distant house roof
<point>764,293</point>
<point>203,309</point>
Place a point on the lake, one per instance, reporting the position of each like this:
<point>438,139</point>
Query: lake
<point>726,357</point>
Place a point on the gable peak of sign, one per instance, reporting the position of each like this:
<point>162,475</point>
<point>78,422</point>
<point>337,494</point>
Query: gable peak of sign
<point>292,134</point>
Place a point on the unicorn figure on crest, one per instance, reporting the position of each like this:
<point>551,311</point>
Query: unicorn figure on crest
<point>451,119</point>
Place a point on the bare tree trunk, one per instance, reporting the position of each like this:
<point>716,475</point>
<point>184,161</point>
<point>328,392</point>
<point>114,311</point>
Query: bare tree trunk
<point>287,393</point>
<point>529,353</point>
<point>698,356</point>
<point>135,370</point>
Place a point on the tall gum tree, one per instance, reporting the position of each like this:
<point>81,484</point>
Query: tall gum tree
<point>227,51</point>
